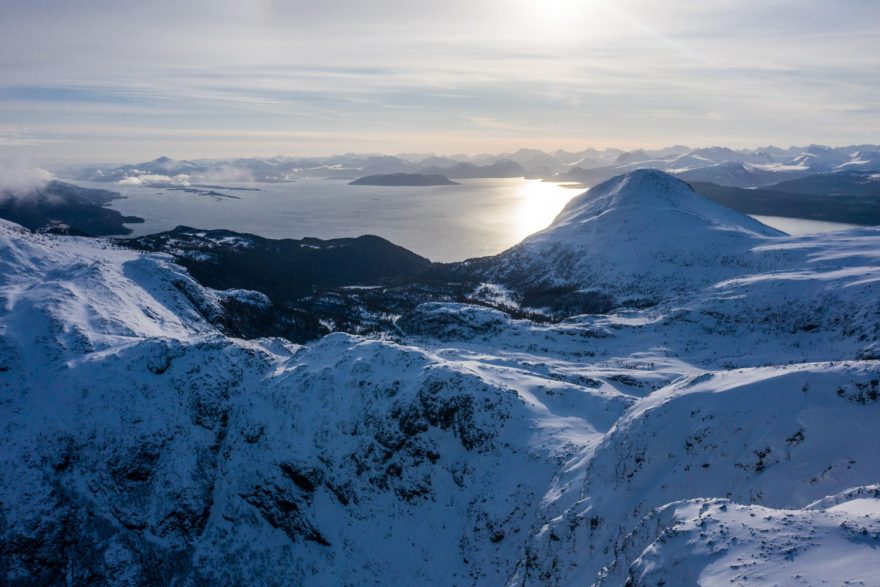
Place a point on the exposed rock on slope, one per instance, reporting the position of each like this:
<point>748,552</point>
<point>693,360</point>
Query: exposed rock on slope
<point>147,448</point>
<point>283,268</point>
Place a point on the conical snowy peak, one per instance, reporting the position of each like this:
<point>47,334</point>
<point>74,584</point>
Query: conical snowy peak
<point>646,196</point>
<point>640,237</point>
<point>641,180</point>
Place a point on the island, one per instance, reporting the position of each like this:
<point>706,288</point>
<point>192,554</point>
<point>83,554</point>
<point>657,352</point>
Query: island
<point>403,179</point>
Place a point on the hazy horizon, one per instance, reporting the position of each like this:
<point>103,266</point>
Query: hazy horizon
<point>126,81</point>
<point>413,156</point>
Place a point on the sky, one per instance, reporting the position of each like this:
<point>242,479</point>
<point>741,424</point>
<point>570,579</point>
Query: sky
<point>110,81</point>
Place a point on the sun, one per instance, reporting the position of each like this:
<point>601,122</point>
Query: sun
<point>556,22</point>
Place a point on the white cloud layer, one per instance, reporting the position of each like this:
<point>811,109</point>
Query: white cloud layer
<point>153,179</point>
<point>21,180</point>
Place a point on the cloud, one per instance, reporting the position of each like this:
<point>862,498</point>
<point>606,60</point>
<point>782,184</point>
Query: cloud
<point>22,181</point>
<point>226,173</point>
<point>152,179</point>
<point>411,71</point>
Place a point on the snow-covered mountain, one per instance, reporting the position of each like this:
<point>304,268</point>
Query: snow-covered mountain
<point>725,434</point>
<point>638,237</point>
<point>745,175</point>
<point>162,170</point>
<point>722,165</point>
<point>738,168</point>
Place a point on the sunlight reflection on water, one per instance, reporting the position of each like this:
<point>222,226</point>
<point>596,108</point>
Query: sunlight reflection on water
<point>444,223</point>
<point>539,204</point>
<point>801,226</point>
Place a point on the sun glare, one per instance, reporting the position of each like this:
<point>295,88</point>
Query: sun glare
<point>554,22</point>
<point>539,203</point>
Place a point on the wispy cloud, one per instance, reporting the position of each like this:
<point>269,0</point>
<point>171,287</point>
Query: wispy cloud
<point>562,72</point>
<point>21,179</point>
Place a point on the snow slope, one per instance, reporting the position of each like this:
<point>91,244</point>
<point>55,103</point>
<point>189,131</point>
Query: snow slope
<point>644,234</point>
<point>141,445</point>
<point>727,434</point>
<point>715,542</point>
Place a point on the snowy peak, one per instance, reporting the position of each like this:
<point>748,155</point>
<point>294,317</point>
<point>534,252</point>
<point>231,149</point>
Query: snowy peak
<point>644,187</point>
<point>645,196</point>
<point>636,239</point>
<point>167,164</point>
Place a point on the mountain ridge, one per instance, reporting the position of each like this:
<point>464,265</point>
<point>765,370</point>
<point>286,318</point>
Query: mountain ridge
<point>726,433</point>
<point>739,168</point>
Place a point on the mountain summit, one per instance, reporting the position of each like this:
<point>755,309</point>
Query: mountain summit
<point>642,236</point>
<point>667,206</point>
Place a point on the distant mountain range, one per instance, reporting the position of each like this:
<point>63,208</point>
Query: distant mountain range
<point>758,168</point>
<point>744,168</point>
<point>501,168</point>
